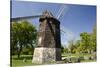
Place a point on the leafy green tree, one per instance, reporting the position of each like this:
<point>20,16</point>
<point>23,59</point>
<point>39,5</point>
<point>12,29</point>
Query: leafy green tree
<point>23,34</point>
<point>93,39</point>
<point>88,41</point>
<point>64,49</point>
<point>77,45</point>
<point>71,46</point>
<point>85,42</point>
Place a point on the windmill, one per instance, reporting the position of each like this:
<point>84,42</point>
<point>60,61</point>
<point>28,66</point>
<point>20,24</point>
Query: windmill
<point>49,40</point>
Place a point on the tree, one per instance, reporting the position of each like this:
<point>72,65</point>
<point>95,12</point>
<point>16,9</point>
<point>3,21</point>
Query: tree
<point>23,34</point>
<point>71,46</point>
<point>85,42</point>
<point>93,39</point>
<point>88,41</point>
<point>77,46</point>
<point>64,49</point>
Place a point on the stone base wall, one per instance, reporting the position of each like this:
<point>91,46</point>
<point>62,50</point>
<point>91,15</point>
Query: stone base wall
<point>45,55</point>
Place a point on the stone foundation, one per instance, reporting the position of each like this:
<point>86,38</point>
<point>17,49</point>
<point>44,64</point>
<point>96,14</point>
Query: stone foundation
<point>46,55</point>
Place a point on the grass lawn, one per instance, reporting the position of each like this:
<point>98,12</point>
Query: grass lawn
<point>75,55</point>
<point>28,58</point>
<point>19,62</point>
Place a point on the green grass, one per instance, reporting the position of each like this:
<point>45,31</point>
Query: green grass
<point>88,61</point>
<point>19,62</point>
<point>76,55</point>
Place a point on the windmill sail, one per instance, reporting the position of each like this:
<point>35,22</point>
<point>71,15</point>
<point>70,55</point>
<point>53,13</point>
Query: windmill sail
<point>25,17</point>
<point>61,11</point>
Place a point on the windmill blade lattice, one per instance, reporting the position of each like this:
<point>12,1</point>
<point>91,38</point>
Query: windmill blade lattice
<point>26,17</point>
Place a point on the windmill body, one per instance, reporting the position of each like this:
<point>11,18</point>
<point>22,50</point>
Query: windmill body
<point>48,40</point>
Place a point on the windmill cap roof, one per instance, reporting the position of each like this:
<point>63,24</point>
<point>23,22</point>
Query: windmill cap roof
<point>47,13</point>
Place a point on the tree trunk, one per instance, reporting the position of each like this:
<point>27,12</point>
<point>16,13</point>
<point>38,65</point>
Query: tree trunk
<point>32,48</point>
<point>19,52</point>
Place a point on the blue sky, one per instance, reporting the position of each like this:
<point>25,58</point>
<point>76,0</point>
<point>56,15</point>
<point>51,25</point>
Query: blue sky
<point>74,20</point>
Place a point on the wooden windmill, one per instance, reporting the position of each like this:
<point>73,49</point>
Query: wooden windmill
<point>49,43</point>
<point>48,40</point>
